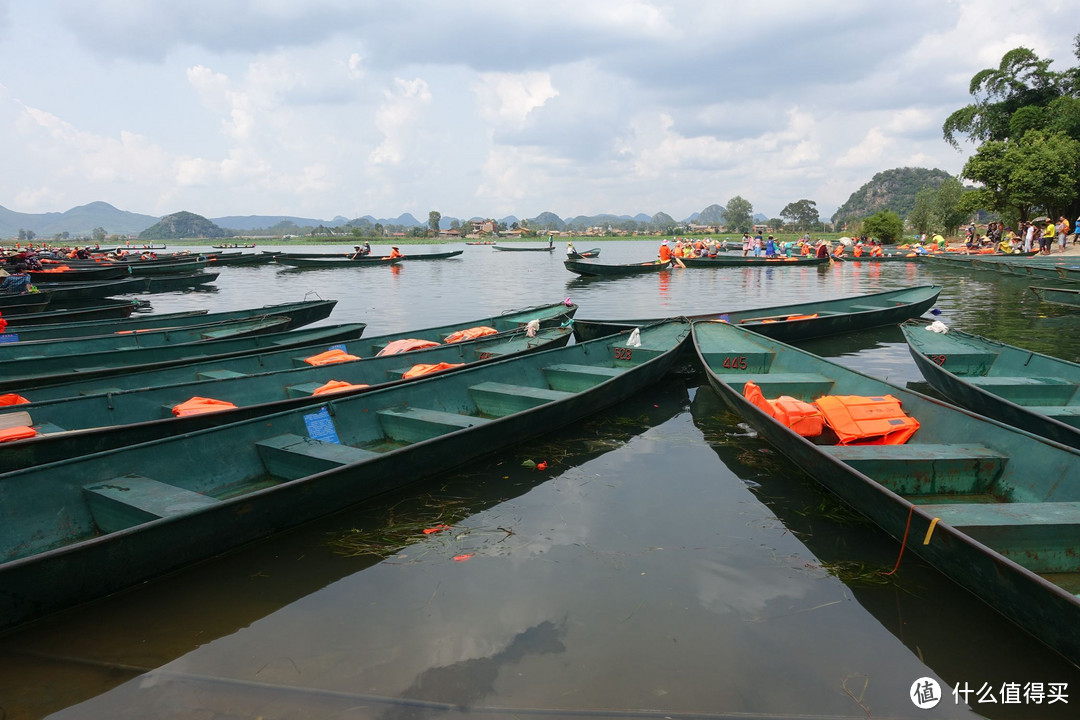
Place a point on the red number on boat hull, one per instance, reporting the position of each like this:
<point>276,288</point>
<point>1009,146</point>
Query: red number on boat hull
<point>735,363</point>
<point>939,359</point>
<point>624,353</point>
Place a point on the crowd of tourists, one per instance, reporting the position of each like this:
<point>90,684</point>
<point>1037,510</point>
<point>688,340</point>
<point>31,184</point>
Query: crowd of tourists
<point>768,247</point>
<point>1039,235</point>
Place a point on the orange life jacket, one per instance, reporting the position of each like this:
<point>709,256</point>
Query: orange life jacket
<point>330,357</point>
<point>12,399</point>
<point>471,334</point>
<point>857,252</point>
<point>200,405</point>
<point>859,420</point>
<point>421,369</point>
<point>665,253</point>
<point>801,417</point>
<point>19,432</point>
<point>336,386</point>
<point>406,345</point>
<point>876,251</point>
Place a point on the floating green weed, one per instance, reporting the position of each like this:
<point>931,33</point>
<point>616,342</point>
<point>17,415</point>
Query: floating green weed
<point>404,523</point>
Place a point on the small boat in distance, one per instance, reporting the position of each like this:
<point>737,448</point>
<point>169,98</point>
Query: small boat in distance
<point>588,268</point>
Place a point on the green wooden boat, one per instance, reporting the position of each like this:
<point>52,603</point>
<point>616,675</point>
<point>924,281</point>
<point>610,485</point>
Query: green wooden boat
<point>281,355</point>
<point>801,321</point>
<point>990,506</point>
<point>58,292</point>
<point>1027,389</point>
<point>110,310</point>
<point>240,259</point>
<point>1058,296</point>
<point>513,248</point>
<point>594,252</point>
<point>344,259</point>
<point>24,304</point>
<point>168,268</point>
<point>1009,267</point>
<point>37,371</point>
<point>119,419</point>
<point>78,529</point>
<point>298,314</point>
<point>108,272</point>
<point>79,348</point>
<point>893,257</point>
<point>589,268</point>
<point>322,264</point>
<point>182,281</point>
<point>715,262</point>
<point>1069,272</point>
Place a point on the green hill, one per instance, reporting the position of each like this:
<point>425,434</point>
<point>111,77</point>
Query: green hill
<point>183,225</point>
<point>889,190</point>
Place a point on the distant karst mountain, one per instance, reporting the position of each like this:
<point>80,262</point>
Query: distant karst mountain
<point>889,190</point>
<point>81,220</point>
<point>182,225</point>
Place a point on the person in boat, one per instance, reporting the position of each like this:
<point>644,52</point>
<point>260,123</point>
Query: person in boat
<point>770,247</point>
<point>395,253</point>
<point>17,283</point>
<point>570,250</point>
<point>359,252</point>
<point>551,242</point>
<point>665,251</point>
<point>822,250</point>
<point>746,244</point>
<point>1005,246</point>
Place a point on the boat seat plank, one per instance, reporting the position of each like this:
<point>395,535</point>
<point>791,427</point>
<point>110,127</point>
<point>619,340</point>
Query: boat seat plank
<point>924,469</point>
<point>1068,414</point>
<point>500,399</point>
<point>575,378</point>
<point>869,307</point>
<point>131,500</point>
<point>48,428</point>
<point>1041,536</point>
<point>291,456</point>
<point>1028,390</point>
<point>99,391</point>
<point>959,355</point>
<point>218,375</point>
<point>302,389</point>
<point>412,424</point>
<point>802,386</point>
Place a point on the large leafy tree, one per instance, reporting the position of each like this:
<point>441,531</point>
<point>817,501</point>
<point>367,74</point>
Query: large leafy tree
<point>921,214</point>
<point>948,211</point>
<point>802,213</point>
<point>739,214</point>
<point>885,226</point>
<point>1026,120</point>
<point>433,219</point>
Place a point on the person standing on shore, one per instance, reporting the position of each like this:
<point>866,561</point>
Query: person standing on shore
<point>1046,243</point>
<point>1029,236</point>
<point>1063,232</point>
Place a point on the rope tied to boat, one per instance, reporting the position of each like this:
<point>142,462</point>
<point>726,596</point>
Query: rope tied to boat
<point>903,542</point>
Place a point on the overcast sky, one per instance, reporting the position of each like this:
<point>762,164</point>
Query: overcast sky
<point>321,108</point>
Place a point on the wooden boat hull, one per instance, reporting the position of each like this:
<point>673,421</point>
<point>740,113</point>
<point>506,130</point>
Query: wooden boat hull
<point>171,268</point>
<point>91,290</point>
<point>172,283</point>
<point>24,304</point>
<point>344,260</point>
<point>110,272</point>
<point>1072,274</point>
<point>1058,296</point>
<point>283,355</point>
<point>997,551</point>
<point>298,314</point>
<point>240,260</point>
<point>65,349</point>
<point>110,311</point>
<point>35,372</point>
<point>586,268</point>
<point>750,261</point>
<point>841,315</point>
<point>385,440</point>
<point>882,258</point>
<point>323,264</point>
<point>1019,387</point>
<point>510,248</point>
<point>594,252</point>
<point>81,425</point>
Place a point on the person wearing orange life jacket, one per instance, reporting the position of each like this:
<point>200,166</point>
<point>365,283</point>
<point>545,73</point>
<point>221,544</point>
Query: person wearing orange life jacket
<point>857,252</point>
<point>876,251</point>
<point>395,253</point>
<point>839,251</point>
<point>665,251</point>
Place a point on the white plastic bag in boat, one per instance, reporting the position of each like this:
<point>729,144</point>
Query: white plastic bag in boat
<point>938,327</point>
<point>635,338</point>
<point>532,328</point>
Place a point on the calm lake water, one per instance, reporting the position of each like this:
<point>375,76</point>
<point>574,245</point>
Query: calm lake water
<point>666,564</point>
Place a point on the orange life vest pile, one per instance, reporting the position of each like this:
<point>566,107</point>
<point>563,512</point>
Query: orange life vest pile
<point>330,357</point>
<point>856,420</point>
<point>406,345</point>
